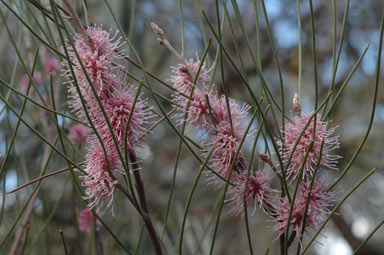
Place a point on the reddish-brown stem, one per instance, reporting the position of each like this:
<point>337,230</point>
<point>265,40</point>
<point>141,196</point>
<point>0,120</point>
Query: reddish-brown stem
<point>126,193</point>
<point>153,76</point>
<point>143,204</point>
<point>24,223</point>
<point>43,177</point>
<point>266,159</point>
<point>282,248</point>
<point>154,125</point>
<point>75,17</point>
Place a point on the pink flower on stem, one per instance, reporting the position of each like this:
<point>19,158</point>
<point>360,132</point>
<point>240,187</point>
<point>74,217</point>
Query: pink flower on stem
<point>225,138</point>
<point>318,208</point>
<point>292,132</point>
<point>213,118</point>
<point>25,80</point>
<point>184,74</point>
<point>78,134</point>
<point>319,200</point>
<point>118,109</point>
<point>223,154</point>
<point>238,115</point>
<point>99,180</point>
<point>257,193</point>
<point>96,52</point>
<point>297,217</point>
<point>84,221</point>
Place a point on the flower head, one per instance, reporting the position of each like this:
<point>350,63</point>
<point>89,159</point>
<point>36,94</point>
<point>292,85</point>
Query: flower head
<point>96,52</point>
<point>297,217</point>
<point>319,198</point>
<point>255,192</point>
<point>319,202</point>
<point>84,221</point>
<point>238,115</point>
<point>315,133</point>
<point>99,182</point>
<point>222,156</point>
<point>184,74</point>
<point>118,109</point>
<point>78,133</point>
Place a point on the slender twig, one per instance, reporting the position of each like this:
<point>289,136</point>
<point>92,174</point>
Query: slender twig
<point>266,159</point>
<point>43,177</point>
<point>143,203</point>
<point>153,126</point>
<point>337,206</point>
<point>63,240</point>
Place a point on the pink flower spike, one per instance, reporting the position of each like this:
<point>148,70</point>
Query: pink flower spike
<point>118,109</point>
<point>292,132</point>
<point>318,208</point>
<point>320,200</point>
<point>84,221</point>
<point>183,76</point>
<point>78,133</point>
<point>99,182</point>
<point>258,191</point>
<point>296,218</point>
<point>96,52</point>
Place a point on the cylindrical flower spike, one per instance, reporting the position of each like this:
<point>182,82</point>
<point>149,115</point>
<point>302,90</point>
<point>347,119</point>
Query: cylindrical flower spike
<point>99,180</point>
<point>98,51</point>
<point>318,208</point>
<point>257,193</point>
<point>313,132</point>
<point>118,109</point>
<point>223,130</point>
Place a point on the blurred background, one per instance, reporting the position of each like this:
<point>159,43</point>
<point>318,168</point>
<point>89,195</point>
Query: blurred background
<point>58,203</point>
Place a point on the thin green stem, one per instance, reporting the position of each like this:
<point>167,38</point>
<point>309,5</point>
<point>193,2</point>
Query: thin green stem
<point>378,64</point>
<point>193,188</point>
<point>368,237</point>
<point>229,178</point>
<point>300,47</point>
<point>337,207</point>
<point>293,200</point>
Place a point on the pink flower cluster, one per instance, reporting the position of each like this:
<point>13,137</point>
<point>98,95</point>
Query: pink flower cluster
<point>208,113</point>
<point>97,51</point>
<point>316,132</point>
<point>318,207</point>
<point>256,191</point>
<point>293,150</point>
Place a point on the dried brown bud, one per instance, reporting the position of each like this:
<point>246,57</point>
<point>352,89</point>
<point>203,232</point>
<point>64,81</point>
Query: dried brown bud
<point>157,30</point>
<point>296,104</point>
